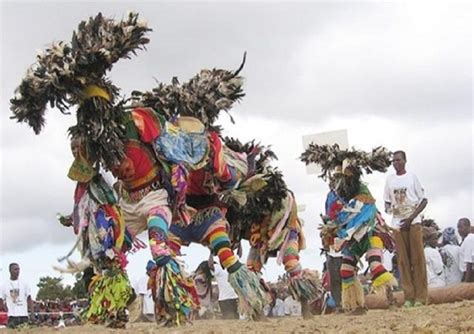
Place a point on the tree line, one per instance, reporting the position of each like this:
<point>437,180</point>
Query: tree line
<point>53,288</point>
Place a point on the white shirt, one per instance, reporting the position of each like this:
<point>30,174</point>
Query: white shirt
<point>142,289</point>
<point>225,289</point>
<point>279,308</point>
<point>467,251</point>
<point>404,193</point>
<point>16,295</point>
<point>453,268</point>
<point>292,307</point>
<point>434,268</point>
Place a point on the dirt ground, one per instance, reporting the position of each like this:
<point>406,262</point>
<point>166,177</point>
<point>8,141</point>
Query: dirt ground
<point>444,318</point>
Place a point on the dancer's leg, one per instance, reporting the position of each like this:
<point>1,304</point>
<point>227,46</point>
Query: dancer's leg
<point>352,291</point>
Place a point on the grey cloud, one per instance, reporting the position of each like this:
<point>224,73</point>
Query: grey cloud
<point>34,231</point>
<point>308,58</point>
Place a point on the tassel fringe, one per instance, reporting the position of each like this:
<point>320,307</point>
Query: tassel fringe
<point>353,296</point>
<point>252,297</point>
<point>305,286</point>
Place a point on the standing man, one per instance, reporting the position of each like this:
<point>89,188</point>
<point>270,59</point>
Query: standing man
<point>228,299</point>
<point>18,298</point>
<point>467,249</point>
<point>405,199</point>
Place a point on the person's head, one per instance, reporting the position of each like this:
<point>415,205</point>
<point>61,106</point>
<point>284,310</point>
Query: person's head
<point>14,269</point>
<point>432,240</point>
<point>399,161</point>
<point>449,236</point>
<point>347,180</point>
<point>464,227</point>
<point>430,236</point>
<point>150,267</point>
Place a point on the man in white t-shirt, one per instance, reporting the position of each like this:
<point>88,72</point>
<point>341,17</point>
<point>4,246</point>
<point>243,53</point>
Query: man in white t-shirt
<point>467,249</point>
<point>17,295</point>
<point>228,299</point>
<point>405,199</point>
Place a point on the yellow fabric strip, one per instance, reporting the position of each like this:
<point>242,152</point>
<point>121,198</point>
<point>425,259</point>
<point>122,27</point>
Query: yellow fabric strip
<point>121,222</point>
<point>96,91</point>
<point>384,279</point>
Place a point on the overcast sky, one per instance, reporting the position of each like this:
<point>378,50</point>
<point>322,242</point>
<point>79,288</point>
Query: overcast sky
<point>392,74</point>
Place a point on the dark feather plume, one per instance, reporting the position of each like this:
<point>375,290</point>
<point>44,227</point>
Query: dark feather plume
<point>204,96</point>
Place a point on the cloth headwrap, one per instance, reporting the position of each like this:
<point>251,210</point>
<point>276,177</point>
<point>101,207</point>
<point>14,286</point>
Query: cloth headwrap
<point>449,236</point>
<point>150,265</point>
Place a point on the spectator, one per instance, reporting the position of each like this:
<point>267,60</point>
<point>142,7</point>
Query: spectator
<point>434,262</point>
<point>405,199</point>
<point>142,309</point>
<point>17,295</point>
<point>278,309</point>
<point>467,249</point>
<point>451,254</point>
<point>145,291</point>
<point>203,282</point>
<point>228,299</point>
<point>292,307</point>
<point>267,309</point>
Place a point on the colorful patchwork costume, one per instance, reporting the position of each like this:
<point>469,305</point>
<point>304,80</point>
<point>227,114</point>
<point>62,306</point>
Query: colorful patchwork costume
<point>111,137</point>
<point>178,178</point>
<point>150,154</point>
<point>262,210</point>
<point>353,225</point>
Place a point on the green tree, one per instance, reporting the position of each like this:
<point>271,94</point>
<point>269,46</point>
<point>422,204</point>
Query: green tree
<point>52,288</point>
<point>79,290</point>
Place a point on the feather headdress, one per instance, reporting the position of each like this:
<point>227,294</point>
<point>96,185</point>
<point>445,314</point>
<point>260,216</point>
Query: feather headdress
<point>204,96</point>
<point>331,157</point>
<point>69,74</point>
